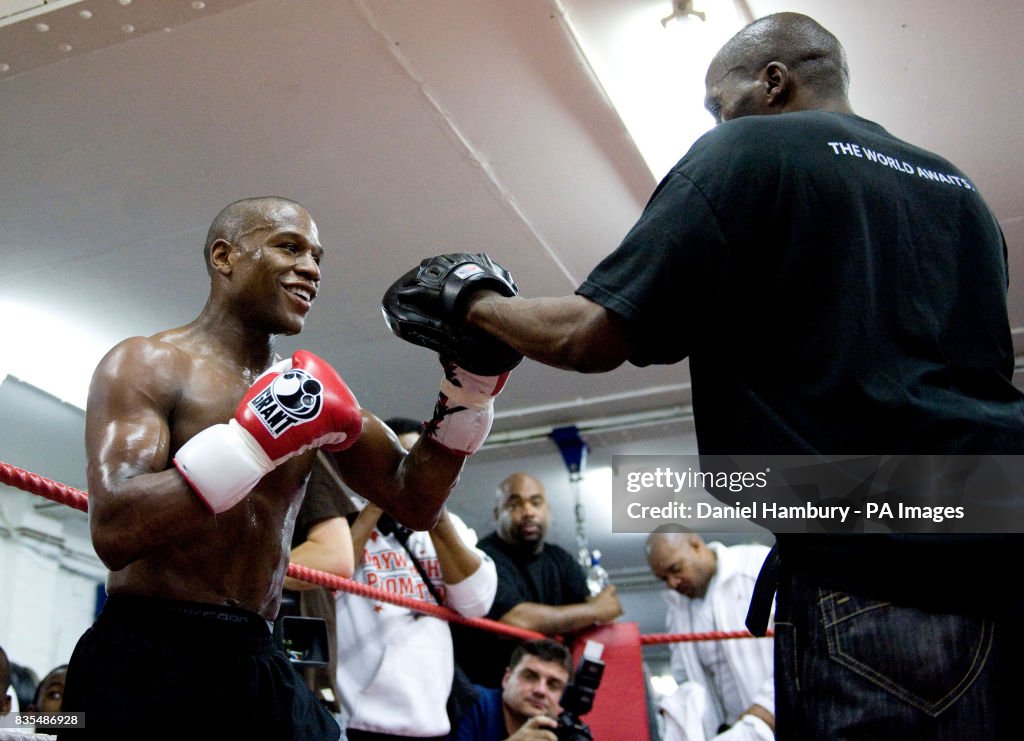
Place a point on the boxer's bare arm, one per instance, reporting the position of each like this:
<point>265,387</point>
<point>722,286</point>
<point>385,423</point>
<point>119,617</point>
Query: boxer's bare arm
<point>411,487</point>
<point>570,332</point>
<point>136,503</point>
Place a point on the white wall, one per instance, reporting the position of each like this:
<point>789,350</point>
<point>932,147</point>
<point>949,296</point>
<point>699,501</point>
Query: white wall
<point>48,580</point>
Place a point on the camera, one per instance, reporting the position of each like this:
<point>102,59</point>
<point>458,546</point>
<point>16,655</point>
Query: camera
<point>303,639</point>
<point>578,695</point>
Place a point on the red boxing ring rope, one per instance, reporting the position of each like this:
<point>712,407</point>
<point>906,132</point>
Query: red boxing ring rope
<point>362,590</point>
<point>33,483</point>
<point>654,639</point>
<point>76,499</point>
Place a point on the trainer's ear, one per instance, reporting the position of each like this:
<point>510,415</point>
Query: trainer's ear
<point>777,81</point>
<point>220,256</point>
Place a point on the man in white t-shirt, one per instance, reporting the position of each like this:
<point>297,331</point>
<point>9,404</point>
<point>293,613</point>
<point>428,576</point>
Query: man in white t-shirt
<point>396,666</point>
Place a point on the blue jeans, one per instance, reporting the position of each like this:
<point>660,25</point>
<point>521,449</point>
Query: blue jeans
<point>849,667</point>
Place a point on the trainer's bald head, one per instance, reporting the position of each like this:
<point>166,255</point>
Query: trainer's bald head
<point>816,72</point>
<point>243,217</point>
<point>682,560</point>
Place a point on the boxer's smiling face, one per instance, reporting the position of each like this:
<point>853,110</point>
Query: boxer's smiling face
<point>278,265</point>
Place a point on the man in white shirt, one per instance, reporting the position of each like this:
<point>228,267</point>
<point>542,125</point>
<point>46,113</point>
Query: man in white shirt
<point>730,683</point>
<point>396,667</point>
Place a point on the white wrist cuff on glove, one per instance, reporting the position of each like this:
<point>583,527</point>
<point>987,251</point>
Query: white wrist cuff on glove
<point>222,464</point>
<point>463,397</point>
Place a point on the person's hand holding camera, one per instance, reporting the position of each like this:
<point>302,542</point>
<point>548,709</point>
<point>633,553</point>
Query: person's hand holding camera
<point>535,729</point>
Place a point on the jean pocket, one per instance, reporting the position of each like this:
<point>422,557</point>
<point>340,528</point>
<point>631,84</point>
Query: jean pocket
<point>928,660</point>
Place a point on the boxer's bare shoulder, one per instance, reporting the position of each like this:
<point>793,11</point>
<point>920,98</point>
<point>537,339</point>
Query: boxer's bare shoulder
<point>145,362</point>
<point>172,374</point>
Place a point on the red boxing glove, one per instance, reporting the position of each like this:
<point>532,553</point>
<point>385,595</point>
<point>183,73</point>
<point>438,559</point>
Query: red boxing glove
<point>295,405</point>
<point>304,405</point>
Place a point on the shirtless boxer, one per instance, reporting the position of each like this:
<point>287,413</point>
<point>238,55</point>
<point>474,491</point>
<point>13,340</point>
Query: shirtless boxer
<point>193,514</point>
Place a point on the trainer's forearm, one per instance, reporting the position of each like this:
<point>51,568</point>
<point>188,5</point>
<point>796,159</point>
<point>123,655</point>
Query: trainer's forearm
<point>570,332</point>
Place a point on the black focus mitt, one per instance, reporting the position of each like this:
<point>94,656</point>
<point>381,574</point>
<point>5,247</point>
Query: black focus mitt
<point>426,307</point>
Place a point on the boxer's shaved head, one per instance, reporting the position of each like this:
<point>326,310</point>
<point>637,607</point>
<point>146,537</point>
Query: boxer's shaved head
<point>240,218</point>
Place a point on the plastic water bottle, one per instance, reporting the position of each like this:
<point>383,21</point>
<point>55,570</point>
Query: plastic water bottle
<point>597,577</point>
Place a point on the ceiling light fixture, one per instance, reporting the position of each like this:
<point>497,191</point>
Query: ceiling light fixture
<point>683,9</point>
<point>653,73</point>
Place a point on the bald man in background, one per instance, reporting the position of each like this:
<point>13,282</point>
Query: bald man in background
<point>541,587</point>
<point>709,590</point>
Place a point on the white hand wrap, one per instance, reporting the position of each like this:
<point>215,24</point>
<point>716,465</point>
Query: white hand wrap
<point>465,409</point>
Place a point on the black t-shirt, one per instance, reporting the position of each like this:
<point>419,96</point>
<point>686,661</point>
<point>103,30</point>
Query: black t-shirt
<point>550,577</point>
<point>839,292</point>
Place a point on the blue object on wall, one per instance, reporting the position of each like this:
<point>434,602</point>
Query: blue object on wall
<point>573,449</point>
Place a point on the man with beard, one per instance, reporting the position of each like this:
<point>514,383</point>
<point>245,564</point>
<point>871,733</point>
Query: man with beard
<point>541,587</point>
